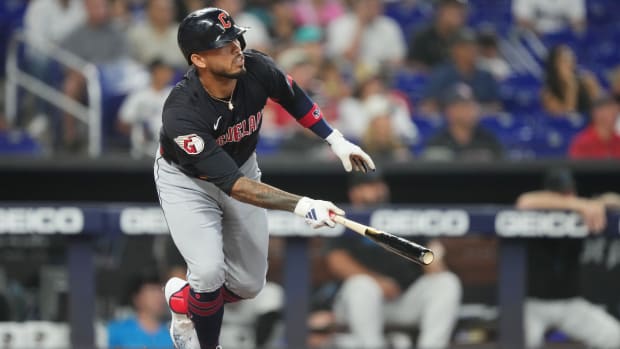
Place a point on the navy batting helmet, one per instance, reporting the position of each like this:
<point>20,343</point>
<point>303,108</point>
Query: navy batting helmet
<point>207,29</point>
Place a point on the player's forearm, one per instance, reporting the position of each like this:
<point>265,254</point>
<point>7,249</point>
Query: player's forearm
<point>263,195</point>
<point>547,200</point>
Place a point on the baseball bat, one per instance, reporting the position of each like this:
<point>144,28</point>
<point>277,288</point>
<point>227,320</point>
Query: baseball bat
<point>402,247</point>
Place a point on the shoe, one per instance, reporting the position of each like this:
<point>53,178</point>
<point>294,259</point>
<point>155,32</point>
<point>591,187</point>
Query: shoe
<point>182,329</point>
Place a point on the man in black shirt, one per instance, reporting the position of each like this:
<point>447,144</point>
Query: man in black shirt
<point>429,46</point>
<point>553,291</point>
<point>207,177</point>
<point>462,138</point>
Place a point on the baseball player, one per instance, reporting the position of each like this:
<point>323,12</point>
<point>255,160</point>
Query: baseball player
<point>207,177</point>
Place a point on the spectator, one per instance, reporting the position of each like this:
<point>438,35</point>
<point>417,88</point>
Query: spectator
<point>61,18</point>
<point>310,39</point>
<point>599,140</point>
<point>282,26</point>
<point>553,284</point>
<point>97,41</point>
<point>318,13</point>
<point>545,17</point>
<point>614,81</point>
<point>366,36</point>
<point>257,37</point>
<point>387,132</point>
<point>353,117</point>
<point>566,90</point>
<point>428,46</point>
<point>380,288</point>
<point>157,36</point>
<point>490,59</point>
<point>144,329</point>
<point>462,68</point>
<point>140,113</point>
<point>463,138</point>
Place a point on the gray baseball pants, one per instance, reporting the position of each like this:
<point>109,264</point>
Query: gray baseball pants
<point>223,241</point>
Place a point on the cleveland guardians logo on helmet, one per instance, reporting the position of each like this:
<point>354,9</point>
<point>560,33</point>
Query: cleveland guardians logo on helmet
<point>207,29</point>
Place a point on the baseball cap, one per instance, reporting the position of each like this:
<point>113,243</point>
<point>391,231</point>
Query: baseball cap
<point>463,36</point>
<point>560,180</point>
<point>359,178</point>
<point>460,92</point>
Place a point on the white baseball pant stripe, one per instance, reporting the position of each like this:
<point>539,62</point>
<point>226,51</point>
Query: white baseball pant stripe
<point>223,241</point>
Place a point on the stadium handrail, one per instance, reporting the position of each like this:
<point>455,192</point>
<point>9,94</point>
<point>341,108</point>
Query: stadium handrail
<point>89,114</point>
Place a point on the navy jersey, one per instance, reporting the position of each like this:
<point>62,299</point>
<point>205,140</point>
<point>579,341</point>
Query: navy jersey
<point>209,141</point>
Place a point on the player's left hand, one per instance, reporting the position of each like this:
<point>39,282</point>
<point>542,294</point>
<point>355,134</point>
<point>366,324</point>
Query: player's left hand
<point>352,156</point>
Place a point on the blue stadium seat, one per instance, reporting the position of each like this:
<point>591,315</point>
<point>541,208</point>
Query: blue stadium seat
<point>18,143</point>
<point>412,84</point>
<point>521,94</point>
<point>554,134</point>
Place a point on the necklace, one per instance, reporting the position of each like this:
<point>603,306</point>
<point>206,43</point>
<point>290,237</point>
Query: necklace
<point>229,101</point>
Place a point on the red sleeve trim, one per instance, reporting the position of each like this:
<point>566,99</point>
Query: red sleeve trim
<point>311,117</point>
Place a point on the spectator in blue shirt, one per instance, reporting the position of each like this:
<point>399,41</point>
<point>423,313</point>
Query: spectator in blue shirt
<point>462,68</point>
<point>144,329</point>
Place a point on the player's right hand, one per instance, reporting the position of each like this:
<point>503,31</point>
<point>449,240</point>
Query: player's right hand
<point>317,213</point>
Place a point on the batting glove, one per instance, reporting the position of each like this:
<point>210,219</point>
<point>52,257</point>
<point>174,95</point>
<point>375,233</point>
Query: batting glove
<point>352,156</point>
<point>317,212</point>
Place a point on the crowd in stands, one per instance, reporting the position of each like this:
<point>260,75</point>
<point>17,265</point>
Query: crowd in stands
<point>403,78</point>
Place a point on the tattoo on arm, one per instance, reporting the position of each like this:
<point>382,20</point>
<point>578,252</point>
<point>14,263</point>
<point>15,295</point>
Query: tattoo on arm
<point>263,195</point>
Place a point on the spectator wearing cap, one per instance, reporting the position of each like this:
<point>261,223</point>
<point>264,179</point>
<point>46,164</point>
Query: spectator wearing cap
<point>599,140</point>
<point>550,16</point>
<point>463,138</point>
<point>489,56</point>
<point>462,68</point>
<point>144,329</point>
<point>366,36</point>
<point>140,113</point>
<point>428,46</point>
<point>379,288</point>
<point>156,37</point>
<point>258,36</point>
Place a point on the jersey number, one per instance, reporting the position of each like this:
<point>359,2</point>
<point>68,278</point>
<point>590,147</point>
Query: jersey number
<point>225,20</point>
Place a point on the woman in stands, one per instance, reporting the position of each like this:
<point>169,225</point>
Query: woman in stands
<point>567,90</point>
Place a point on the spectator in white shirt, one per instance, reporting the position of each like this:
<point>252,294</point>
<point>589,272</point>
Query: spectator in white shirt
<point>140,113</point>
<point>550,16</point>
<point>366,36</point>
<point>61,18</point>
<point>157,36</point>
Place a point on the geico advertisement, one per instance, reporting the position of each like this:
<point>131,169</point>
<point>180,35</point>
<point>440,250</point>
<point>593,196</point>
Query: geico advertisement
<point>513,223</point>
<point>429,222</point>
<point>138,221</point>
<point>41,220</point>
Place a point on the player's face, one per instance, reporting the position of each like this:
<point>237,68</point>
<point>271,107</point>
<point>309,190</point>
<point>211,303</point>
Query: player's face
<point>227,61</point>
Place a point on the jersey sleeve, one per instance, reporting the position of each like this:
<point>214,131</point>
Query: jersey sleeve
<point>282,89</point>
<point>197,151</point>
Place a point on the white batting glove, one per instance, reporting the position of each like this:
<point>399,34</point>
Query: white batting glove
<point>352,156</point>
<point>317,212</point>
